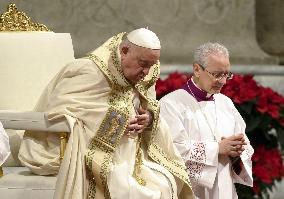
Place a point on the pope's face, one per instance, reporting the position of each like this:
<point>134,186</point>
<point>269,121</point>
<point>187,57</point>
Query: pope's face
<point>137,61</point>
<point>212,78</point>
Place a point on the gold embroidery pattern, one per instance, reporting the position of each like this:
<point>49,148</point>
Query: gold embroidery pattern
<point>110,130</point>
<point>152,105</point>
<point>88,160</point>
<point>103,66</point>
<point>146,84</point>
<point>115,41</point>
<point>138,164</point>
<point>115,59</point>
<point>106,139</point>
<point>13,20</point>
<point>113,47</point>
<point>92,188</point>
<point>175,167</point>
<point>103,174</point>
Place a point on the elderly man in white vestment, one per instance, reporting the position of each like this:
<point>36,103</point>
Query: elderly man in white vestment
<point>207,129</point>
<point>118,147</point>
<point>4,145</point>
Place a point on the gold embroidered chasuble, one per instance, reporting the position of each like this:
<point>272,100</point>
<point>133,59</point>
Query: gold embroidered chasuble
<point>107,59</point>
<point>96,104</point>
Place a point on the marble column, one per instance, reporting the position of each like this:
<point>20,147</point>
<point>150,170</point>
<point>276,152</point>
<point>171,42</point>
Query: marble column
<point>270,27</point>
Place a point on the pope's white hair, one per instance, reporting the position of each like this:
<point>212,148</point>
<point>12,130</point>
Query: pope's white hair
<point>202,52</point>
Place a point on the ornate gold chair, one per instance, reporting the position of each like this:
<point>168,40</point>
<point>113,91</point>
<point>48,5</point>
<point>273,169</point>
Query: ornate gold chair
<point>30,56</point>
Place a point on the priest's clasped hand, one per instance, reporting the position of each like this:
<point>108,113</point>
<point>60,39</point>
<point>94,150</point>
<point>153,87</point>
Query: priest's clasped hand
<point>142,120</point>
<point>232,146</point>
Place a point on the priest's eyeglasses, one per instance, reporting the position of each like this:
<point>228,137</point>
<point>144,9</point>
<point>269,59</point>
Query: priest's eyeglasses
<point>218,76</point>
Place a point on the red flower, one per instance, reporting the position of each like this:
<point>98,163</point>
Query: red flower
<point>270,102</point>
<point>241,89</point>
<point>262,173</point>
<point>267,165</point>
<point>176,80</point>
<point>173,82</point>
<point>161,88</point>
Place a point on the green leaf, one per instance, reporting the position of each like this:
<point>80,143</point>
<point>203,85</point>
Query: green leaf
<point>253,123</point>
<point>247,107</point>
<point>280,135</point>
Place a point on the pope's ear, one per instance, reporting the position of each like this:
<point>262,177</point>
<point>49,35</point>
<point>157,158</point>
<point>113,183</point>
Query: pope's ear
<point>124,50</point>
<point>196,70</point>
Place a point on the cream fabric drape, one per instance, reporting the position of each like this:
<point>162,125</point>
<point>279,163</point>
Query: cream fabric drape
<point>79,93</point>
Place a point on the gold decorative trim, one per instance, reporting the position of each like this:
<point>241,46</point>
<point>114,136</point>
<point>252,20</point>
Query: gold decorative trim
<point>175,167</point>
<point>104,144</point>
<point>102,67</point>
<point>63,143</point>
<point>138,163</point>
<point>111,129</point>
<point>1,172</point>
<point>14,20</point>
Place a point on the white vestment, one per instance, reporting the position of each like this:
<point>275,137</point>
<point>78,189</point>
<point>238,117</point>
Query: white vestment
<point>4,145</point>
<point>82,100</point>
<point>97,101</point>
<point>192,126</point>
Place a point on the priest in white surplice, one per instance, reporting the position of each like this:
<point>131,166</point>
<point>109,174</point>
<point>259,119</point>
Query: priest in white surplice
<point>207,129</point>
<point>4,145</point>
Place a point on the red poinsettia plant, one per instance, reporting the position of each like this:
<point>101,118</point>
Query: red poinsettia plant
<point>263,111</point>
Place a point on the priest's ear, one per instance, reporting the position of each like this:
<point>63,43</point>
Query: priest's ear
<point>196,70</point>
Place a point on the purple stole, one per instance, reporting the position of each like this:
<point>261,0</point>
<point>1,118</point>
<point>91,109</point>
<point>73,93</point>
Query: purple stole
<point>197,93</point>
